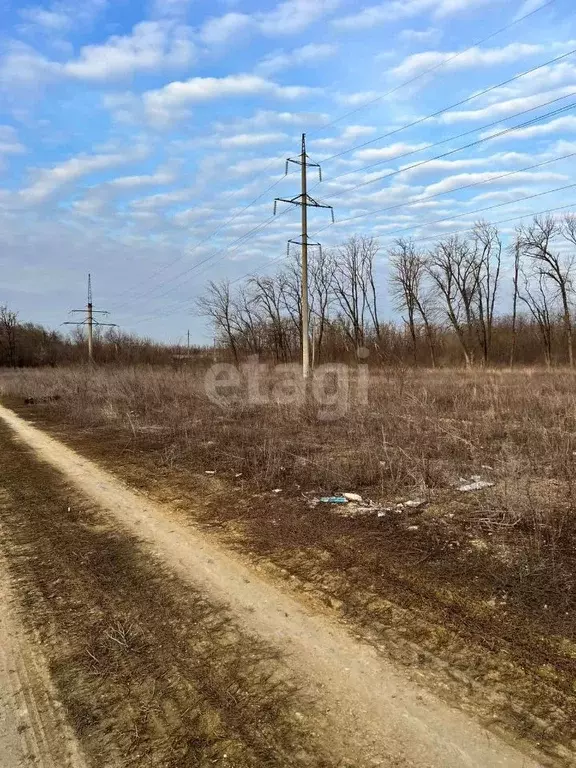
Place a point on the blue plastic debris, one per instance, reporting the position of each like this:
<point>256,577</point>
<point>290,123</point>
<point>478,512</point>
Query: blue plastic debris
<point>334,500</point>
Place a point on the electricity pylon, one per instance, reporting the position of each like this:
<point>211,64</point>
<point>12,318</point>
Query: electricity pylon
<point>305,201</point>
<point>89,320</point>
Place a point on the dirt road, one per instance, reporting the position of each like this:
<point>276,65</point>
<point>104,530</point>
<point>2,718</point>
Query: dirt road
<point>366,710</point>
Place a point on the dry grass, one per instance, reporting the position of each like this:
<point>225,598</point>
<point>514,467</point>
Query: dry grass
<point>150,672</point>
<point>484,582</point>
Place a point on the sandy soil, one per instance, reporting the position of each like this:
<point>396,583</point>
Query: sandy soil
<point>371,712</point>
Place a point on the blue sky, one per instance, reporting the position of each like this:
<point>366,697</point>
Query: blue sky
<point>134,137</point>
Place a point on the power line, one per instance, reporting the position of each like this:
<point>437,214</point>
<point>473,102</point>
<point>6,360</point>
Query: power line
<point>451,106</point>
<point>429,237</point>
<point>239,241</point>
<point>89,321</point>
<point>476,143</point>
<point>459,189</point>
<point>434,68</point>
<point>408,229</point>
<point>171,263</point>
<point>304,201</point>
<point>433,237</point>
<point>205,239</point>
<point>471,213</point>
<point>226,251</point>
<point>451,138</point>
<point>502,221</point>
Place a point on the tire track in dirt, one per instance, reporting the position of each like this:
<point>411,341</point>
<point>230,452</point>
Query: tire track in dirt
<point>371,711</point>
<point>33,727</point>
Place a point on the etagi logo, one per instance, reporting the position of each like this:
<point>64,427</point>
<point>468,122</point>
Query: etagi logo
<point>332,387</point>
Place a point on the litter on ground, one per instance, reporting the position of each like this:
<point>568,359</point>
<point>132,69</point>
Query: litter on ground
<point>474,484</point>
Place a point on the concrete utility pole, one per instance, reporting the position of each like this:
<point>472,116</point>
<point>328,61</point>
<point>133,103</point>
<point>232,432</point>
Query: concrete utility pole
<point>304,200</point>
<point>89,320</point>
<point>305,330</point>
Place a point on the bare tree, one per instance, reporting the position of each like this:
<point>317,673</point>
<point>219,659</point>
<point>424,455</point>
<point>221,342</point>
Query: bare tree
<point>8,326</point>
<point>354,287</point>
<point>538,301</point>
<point>486,260</point>
<point>537,242</point>
<point>515,301</point>
<point>408,271</point>
<point>321,293</point>
<point>369,249</point>
<point>248,320</point>
<point>268,292</point>
<point>290,284</point>
<point>218,305</point>
<point>453,271</point>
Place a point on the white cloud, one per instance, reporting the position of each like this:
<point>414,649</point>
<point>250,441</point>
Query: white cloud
<point>292,16</point>
<point>356,99</point>
<point>419,63</point>
<point>453,182</point>
<point>163,199</point>
<point>394,10</point>
<point>54,21</point>
<point>9,144</point>
<point>505,108</point>
<point>100,198</point>
<point>387,153</point>
<point>527,7</point>
<point>253,165</point>
<point>221,29</point>
<point>185,218</point>
<point>244,140</point>
<point>567,123</point>
<point>440,166</point>
<point>22,67</point>
<point>288,17</point>
<point>349,134</point>
<point>125,107</point>
<point>169,103</point>
<point>144,180</point>
<point>264,118</point>
<point>150,46</point>
<point>48,181</point>
<point>431,34</point>
<point>60,16</point>
<point>307,54</point>
<point>541,81</point>
<point>170,8</point>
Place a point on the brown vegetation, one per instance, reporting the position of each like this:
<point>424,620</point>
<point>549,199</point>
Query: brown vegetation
<point>149,671</point>
<point>481,581</point>
<point>24,345</point>
<point>458,301</point>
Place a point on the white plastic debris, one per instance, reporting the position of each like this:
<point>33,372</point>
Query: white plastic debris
<point>413,503</point>
<point>277,490</point>
<point>413,527</point>
<point>353,497</point>
<point>209,472</point>
<point>475,485</point>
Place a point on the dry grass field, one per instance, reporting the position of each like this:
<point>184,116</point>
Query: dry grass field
<point>472,591</point>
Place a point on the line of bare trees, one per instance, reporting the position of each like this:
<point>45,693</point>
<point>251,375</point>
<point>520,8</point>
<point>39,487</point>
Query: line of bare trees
<point>29,345</point>
<point>473,299</point>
